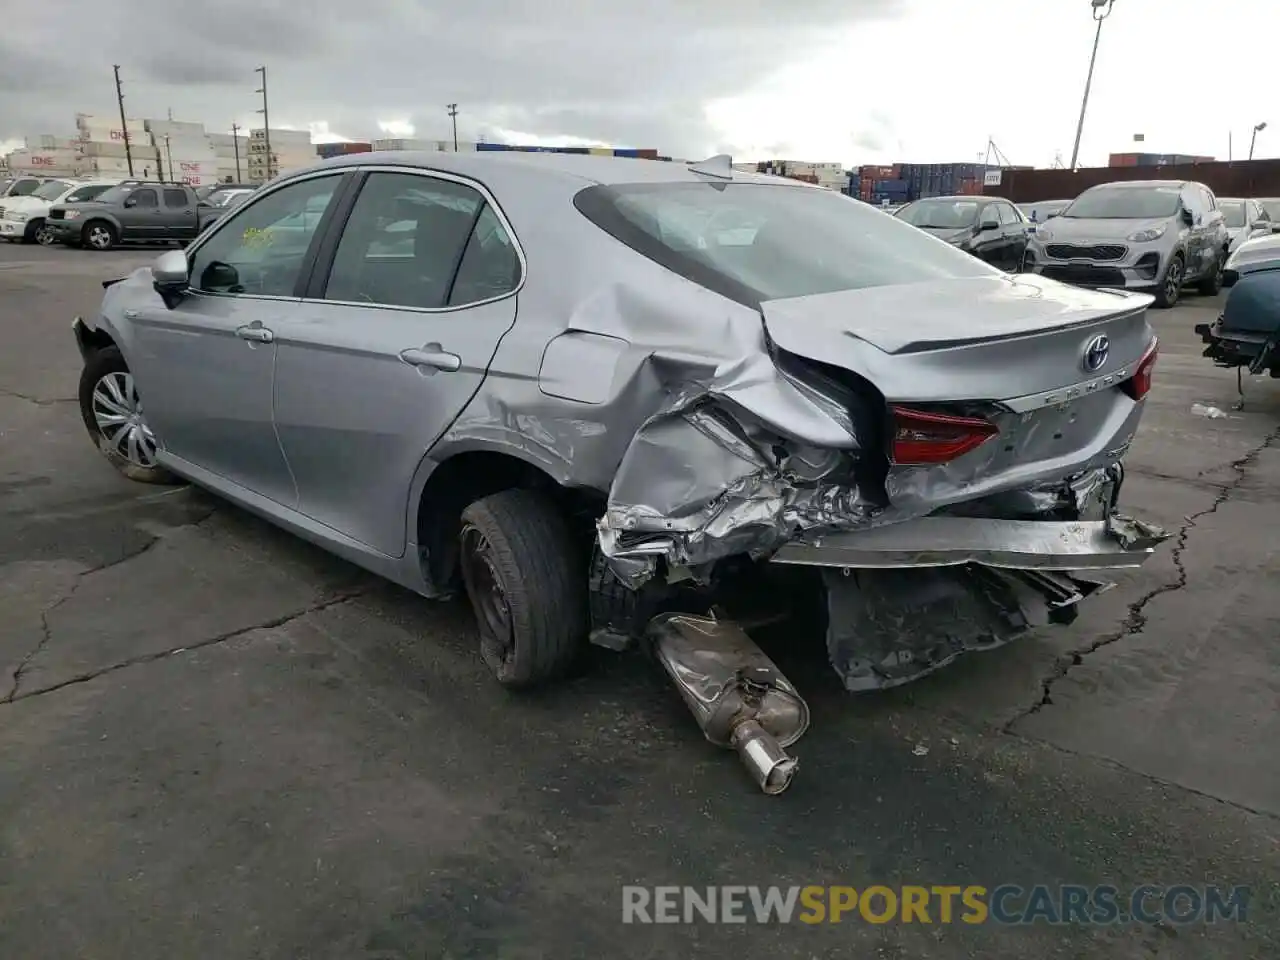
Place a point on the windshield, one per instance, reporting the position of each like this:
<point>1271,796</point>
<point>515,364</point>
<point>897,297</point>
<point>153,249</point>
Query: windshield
<point>51,190</point>
<point>227,198</point>
<point>1232,212</point>
<point>1272,206</point>
<point>1125,203</point>
<point>91,192</point>
<point>940,214</point>
<point>756,242</point>
<point>116,194</point>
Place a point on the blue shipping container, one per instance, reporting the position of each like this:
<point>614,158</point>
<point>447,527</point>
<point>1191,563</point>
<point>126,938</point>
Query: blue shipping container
<point>492,146</point>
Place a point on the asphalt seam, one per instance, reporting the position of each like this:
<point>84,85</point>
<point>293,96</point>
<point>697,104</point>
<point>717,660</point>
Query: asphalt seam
<point>280,621</point>
<point>1135,620</point>
<point>38,401</point>
<point>46,631</point>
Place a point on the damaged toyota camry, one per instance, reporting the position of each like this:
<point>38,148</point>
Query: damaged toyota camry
<point>640,403</point>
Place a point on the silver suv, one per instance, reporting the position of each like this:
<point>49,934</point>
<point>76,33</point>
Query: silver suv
<point>1152,235</point>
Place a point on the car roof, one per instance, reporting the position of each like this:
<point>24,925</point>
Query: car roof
<point>587,168</point>
<point>1148,184</point>
<point>976,197</point>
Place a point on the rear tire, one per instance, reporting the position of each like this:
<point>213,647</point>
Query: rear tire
<point>99,235</point>
<point>527,583</point>
<point>110,409</point>
<point>1170,288</point>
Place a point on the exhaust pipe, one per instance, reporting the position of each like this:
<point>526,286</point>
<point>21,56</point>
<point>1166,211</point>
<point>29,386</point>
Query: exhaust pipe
<point>739,697</point>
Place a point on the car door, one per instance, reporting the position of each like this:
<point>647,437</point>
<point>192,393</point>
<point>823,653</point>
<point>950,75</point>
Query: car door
<point>178,215</point>
<point>205,368</point>
<point>1013,234</point>
<point>988,242</point>
<point>140,216</point>
<point>401,320</point>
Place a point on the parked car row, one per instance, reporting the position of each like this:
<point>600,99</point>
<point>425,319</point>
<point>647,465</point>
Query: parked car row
<point>1153,236</point>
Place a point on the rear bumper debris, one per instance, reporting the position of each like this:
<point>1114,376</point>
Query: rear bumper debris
<point>1118,542</point>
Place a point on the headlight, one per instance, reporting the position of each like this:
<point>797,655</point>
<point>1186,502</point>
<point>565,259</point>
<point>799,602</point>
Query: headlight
<point>17,215</point>
<point>1146,236</point>
<point>70,214</point>
<point>1043,234</point>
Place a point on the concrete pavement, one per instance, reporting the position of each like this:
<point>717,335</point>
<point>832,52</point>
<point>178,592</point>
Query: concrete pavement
<point>218,741</point>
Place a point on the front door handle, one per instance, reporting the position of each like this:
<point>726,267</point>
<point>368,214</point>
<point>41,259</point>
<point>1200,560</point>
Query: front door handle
<point>255,333</point>
<point>434,356</point>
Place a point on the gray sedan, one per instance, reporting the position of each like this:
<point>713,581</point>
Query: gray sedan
<point>603,396</point>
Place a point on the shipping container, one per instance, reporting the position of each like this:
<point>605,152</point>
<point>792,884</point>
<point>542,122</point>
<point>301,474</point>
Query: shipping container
<point>648,154</point>
<point>880,172</point>
<point>47,142</point>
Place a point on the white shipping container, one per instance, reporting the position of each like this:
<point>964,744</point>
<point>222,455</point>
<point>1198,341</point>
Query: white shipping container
<point>42,159</point>
<point>112,135</point>
<point>97,148</point>
<point>46,141</point>
<point>87,121</point>
<point>193,167</point>
<point>226,139</point>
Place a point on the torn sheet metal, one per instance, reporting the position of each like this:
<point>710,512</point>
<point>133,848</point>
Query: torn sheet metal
<point>890,627</point>
<point>737,466</point>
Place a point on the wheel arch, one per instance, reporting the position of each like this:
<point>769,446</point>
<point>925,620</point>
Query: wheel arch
<point>443,488</point>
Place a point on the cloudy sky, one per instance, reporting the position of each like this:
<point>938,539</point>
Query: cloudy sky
<point>858,81</point>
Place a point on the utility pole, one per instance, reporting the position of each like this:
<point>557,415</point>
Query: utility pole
<point>266,118</point>
<point>453,114</point>
<point>1101,10</point>
<point>235,145</point>
<point>124,124</point>
<point>168,154</point>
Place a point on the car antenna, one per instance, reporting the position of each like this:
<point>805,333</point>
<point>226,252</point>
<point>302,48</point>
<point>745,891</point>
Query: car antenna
<point>719,166</point>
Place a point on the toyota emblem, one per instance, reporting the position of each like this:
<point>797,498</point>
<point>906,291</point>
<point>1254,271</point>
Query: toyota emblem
<point>1096,353</point>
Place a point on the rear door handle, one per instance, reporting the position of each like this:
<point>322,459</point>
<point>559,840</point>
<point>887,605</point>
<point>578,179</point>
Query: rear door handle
<point>434,356</point>
<point>255,333</point>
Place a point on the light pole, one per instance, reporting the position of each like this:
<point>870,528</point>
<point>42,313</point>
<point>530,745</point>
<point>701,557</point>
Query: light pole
<point>1101,10</point>
<point>1254,139</point>
<point>168,155</point>
<point>453,115</point>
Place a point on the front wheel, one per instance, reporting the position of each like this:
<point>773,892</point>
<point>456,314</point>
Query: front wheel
<point>43,234</point>
<point>112,413</point>
<point>527,583</point>
<point>99,235</point>
<point>1170,288</point>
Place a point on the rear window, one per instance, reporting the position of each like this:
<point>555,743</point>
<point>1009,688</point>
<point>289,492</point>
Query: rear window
<point>1232,212</point>
<point>755,242</point>
<point>1125,203</point>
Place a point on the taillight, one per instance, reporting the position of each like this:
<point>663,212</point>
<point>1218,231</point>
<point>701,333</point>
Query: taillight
<point>921,438</point>
<point>1139,384</point>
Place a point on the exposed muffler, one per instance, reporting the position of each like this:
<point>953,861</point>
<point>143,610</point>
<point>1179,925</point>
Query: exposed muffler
<point>739,697</point>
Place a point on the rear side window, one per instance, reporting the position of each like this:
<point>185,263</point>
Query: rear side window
<point>145,198</point>
<point>175,198</point>
<point>755,242</point>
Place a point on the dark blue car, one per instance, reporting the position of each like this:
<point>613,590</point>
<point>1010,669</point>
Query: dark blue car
<point>1247,334</point>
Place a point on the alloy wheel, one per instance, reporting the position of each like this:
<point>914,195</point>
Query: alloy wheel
<point>99,237</point>
<point>44,235</point>
<point>1173,280</point>
<point>117,410</point>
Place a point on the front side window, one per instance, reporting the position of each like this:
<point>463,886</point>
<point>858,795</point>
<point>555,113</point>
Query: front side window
<point>261,247</point>
<point>404,241</point>
<point>802,241</point>
<point>145,197</point>
<point>1008,216</point>
<point>1124,203</point>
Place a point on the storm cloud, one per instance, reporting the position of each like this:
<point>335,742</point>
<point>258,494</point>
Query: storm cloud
<point>635,74</point>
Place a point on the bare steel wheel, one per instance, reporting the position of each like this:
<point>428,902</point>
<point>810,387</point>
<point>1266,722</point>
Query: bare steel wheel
<point>527,582</point>
<point>112,412</point>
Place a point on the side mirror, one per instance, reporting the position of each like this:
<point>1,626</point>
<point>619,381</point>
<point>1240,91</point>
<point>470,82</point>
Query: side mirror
<point>131,201</point>
<point>170,276</point>
<point>1050,216</point>
<point>1187,217</point>
<point>989,225</point>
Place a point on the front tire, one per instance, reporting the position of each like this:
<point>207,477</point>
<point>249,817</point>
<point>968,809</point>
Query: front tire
<point>527,583</point>
<point>1170,288</point>
<point>43,234</point>
<point>99,235</point>
<point>112,413</point>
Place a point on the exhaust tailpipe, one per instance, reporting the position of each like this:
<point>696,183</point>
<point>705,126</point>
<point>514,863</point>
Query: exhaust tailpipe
<point>739,697</point>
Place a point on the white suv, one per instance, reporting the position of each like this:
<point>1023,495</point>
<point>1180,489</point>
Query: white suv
<point>22,219</point>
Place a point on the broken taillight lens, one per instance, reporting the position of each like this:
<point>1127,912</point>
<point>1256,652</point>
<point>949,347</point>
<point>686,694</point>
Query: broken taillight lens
<point>1139,384</point>
<point>920,437</point>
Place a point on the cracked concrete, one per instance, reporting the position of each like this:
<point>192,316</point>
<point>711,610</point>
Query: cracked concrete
<point>222,742</point>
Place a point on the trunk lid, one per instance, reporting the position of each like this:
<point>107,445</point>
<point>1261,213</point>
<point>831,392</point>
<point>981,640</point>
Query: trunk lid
<point>981,338</point>
<point>1019,357</point>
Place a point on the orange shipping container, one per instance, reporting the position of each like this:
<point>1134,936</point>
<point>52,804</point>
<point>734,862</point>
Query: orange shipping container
<point>1124,160</point>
